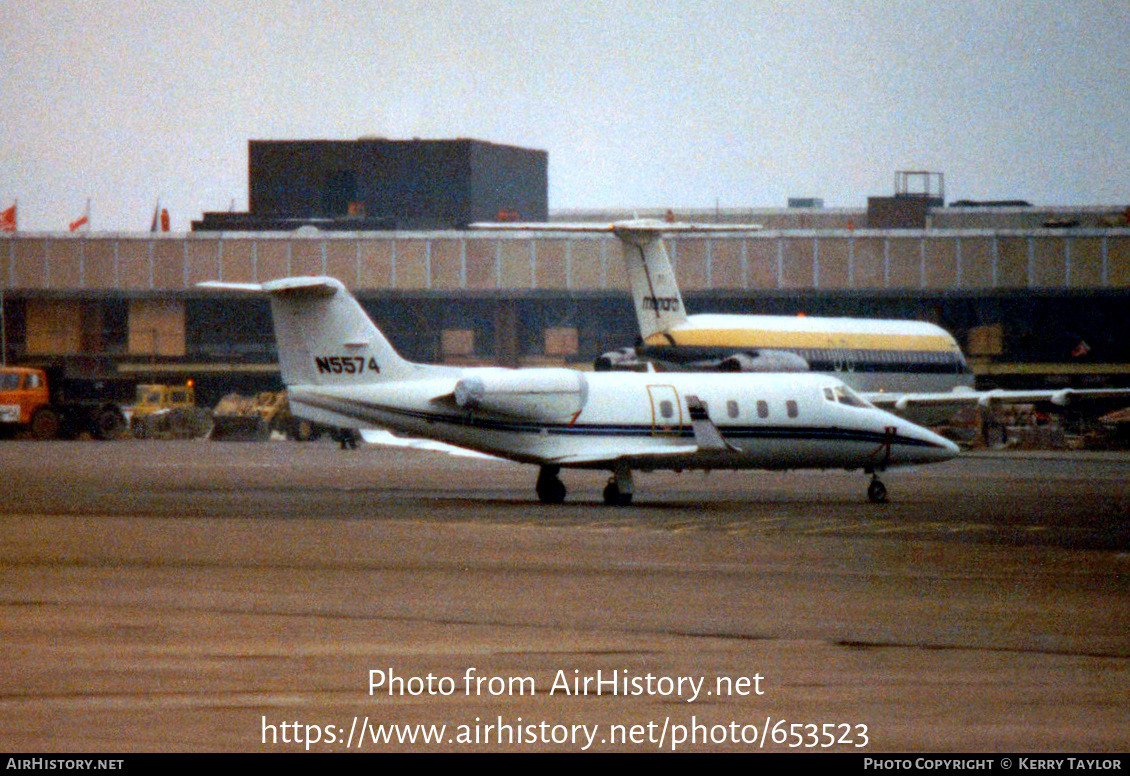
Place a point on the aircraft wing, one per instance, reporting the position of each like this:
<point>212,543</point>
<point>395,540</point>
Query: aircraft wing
<point>967,397</point>
<point>650,453</point>
<point>707,439</point>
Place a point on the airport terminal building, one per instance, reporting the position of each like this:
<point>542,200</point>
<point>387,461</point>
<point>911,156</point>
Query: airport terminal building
<point>1037,297</point>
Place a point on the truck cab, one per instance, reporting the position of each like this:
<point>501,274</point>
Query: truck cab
<point>25,402</point>
<point>33,401</point>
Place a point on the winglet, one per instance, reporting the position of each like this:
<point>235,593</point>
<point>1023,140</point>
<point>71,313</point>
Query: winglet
<point>706,434</point>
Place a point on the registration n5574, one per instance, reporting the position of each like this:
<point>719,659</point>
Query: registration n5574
<point>347,365</point>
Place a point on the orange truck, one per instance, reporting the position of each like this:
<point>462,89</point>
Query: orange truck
<point>34,400</point>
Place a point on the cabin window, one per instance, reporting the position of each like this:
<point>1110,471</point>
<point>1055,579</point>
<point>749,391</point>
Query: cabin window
<point>34,380</point>
<point>791,408</point>
<point>666,409</point>
<point>732,408</point>
<point>763,409</point>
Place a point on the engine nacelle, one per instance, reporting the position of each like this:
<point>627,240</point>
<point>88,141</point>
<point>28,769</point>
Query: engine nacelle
<point>544,394</point>
<point>622,359</point>
<point>763,361</point>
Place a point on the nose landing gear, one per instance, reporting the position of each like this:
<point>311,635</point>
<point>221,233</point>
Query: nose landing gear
<point>618,491</point>
<point>877,491</point>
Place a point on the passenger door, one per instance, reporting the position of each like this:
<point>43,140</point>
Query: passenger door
<point>666,410</point>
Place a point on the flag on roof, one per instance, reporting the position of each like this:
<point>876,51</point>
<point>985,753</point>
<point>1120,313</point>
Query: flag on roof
<point>83,220</point>
<point>8,219</point>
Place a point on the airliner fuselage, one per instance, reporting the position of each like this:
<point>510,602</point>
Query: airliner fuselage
<point>869,355</point>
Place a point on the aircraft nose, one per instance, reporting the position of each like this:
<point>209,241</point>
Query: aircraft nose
<point>930,447</point>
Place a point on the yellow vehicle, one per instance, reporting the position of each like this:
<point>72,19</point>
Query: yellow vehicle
<point>249,418</point>
<point>168,412</point>
<point>254,418</point>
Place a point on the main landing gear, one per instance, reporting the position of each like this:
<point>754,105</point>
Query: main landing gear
<point>618,491</point>
<point>877,491</point>
<point>550,488</point>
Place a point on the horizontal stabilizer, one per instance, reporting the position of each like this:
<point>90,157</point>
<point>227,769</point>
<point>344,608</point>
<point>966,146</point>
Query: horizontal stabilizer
<point>619,228</point>
<point>219,285</point>
<point>320,286</point>
<point>324,336</point>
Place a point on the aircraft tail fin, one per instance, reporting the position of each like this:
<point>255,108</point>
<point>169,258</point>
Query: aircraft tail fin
<point>324,336</point>
<point>659,305</point>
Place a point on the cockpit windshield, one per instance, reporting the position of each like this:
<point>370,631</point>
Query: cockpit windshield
<point>844,395</point>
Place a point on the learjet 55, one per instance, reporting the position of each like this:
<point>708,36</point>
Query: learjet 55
<point>340,370</point>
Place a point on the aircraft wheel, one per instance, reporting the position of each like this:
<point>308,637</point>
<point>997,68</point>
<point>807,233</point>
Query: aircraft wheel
<point>552,493</point>
<point>877,492</point>
<point>613,497</point>
<point>550,489</point>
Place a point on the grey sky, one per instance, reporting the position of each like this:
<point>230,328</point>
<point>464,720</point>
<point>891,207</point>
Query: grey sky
<point>639,104</point>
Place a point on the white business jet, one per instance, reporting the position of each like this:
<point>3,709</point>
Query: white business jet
<point>340,370</point>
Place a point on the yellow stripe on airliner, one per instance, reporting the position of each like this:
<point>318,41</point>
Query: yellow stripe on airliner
<point>760,338</point>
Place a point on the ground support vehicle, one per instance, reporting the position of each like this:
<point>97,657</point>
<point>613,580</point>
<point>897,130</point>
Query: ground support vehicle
<point>42,404</point>
<point>169,412</point>
<point>255,418</point>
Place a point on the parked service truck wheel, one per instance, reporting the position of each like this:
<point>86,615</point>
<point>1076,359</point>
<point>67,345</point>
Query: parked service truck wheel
<point>45,424</point>
<point>109,424</point>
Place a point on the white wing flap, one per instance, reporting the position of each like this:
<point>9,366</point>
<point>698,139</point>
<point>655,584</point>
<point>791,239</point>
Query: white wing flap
<point>653,453</point>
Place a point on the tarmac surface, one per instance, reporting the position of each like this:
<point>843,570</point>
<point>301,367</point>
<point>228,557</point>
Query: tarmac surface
<point>200,596</point>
